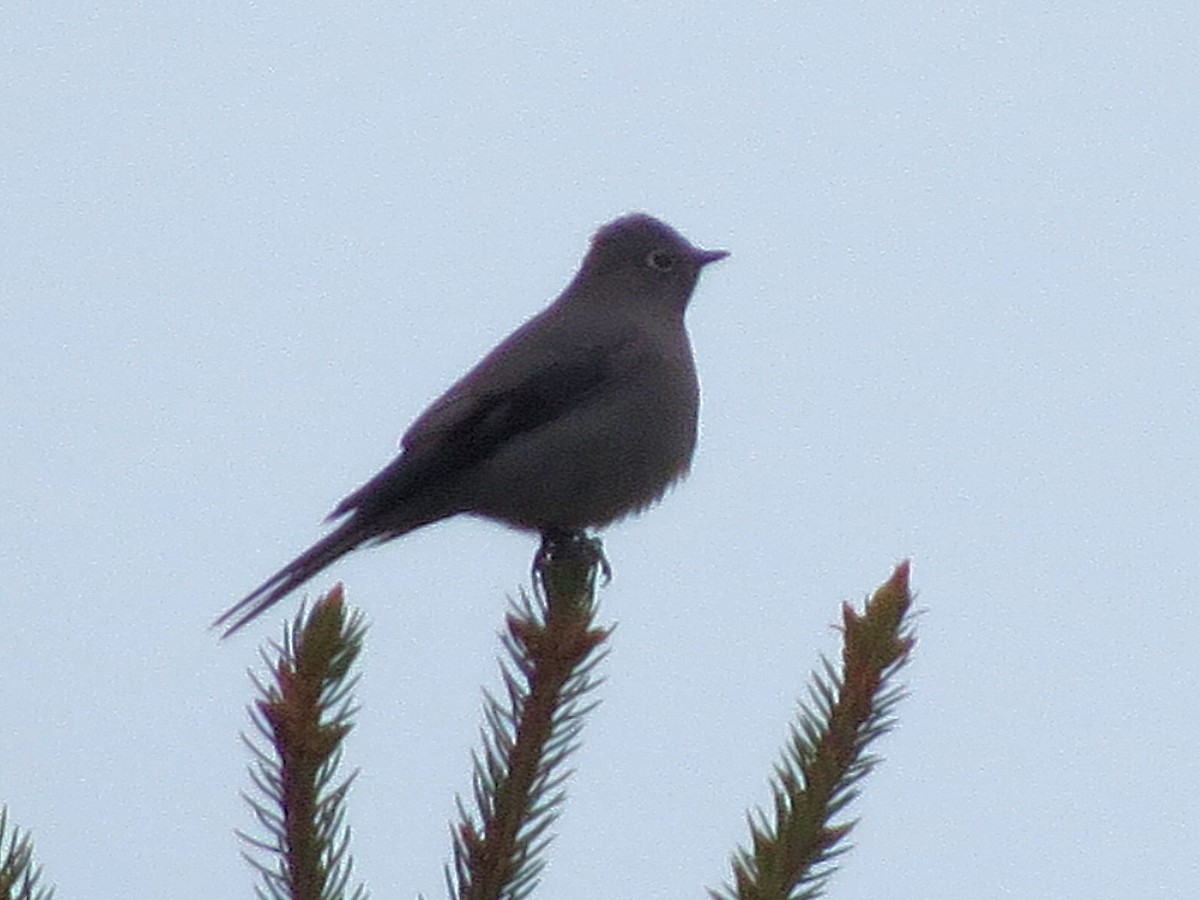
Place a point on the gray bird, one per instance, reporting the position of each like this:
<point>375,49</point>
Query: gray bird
<point>584,414</point>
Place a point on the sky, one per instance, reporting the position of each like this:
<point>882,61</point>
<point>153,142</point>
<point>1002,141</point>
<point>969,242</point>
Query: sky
<point>244,244</point>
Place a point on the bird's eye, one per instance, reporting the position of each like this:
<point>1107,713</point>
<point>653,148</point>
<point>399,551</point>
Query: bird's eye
<point>661,260</point>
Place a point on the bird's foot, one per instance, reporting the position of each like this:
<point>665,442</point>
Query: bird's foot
<point>559,545</point>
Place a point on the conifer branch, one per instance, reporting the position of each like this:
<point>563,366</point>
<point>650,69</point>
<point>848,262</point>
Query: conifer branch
<point>529,733</point>
<point>19,876</point>
<point>793,846</point>
<point>303,714</point>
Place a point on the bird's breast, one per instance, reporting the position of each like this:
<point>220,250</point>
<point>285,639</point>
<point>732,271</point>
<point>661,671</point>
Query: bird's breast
<point>614,453</point>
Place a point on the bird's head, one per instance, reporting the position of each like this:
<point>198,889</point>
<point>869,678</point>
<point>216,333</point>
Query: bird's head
<point>641,259</point>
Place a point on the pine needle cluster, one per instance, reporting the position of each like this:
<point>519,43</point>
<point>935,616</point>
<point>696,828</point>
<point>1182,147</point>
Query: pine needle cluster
<point>792,848</point>
<point>19,875</point>
<point>303,714</point>
<point>552,650</point>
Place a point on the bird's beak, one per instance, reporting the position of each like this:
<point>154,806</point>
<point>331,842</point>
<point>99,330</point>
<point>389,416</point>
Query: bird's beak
<point>704,257</point>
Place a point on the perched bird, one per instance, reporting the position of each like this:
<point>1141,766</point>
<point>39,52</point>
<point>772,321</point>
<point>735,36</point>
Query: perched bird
<point>584,414</point>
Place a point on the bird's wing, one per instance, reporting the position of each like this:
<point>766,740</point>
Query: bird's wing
<point>482,412</point>
<point>545,362</point>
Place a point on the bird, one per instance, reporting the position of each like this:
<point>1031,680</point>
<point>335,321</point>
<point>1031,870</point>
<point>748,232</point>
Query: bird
<point>585,414</point>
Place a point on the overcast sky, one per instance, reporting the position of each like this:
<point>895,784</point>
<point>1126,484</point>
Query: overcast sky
<point>243,244</point>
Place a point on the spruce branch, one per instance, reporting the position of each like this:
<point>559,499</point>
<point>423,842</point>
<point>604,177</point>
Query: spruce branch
<point>794,845</point>
<point>303,714</point>
<point>551,648</point>
<point>19,875</point>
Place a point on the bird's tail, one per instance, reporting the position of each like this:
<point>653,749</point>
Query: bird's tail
<point>321,554</point>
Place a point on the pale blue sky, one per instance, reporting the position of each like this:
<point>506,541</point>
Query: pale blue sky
<point>244,244</point>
